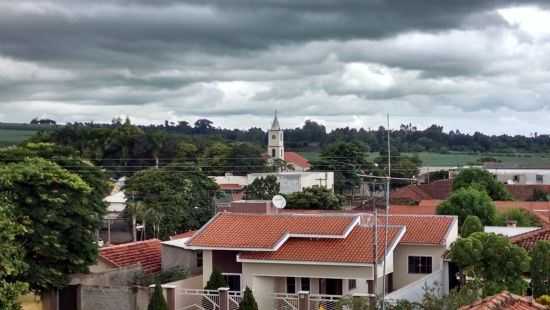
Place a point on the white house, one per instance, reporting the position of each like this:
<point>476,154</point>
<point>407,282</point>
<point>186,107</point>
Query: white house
<point>331,254</point>
<point>519,174</point>
<point>296,181</point>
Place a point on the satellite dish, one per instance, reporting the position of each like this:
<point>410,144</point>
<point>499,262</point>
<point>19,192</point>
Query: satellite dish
<point>278,201</point>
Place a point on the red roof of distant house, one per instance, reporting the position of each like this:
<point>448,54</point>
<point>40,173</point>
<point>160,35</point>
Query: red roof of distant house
<point>440,189</point>
<point>529,239</point>
<point>183,235</point>
<point>297,159</point>
<point>355,249</point>
<point>145,253</point>
<point>412,209</point>
<point>504,301</point>
<point>231,187</point>
<point>263,231</point>
<point>526,192</point>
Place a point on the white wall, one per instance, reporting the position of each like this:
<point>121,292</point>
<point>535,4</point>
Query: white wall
<point>206,266</point>
<point>401,275</point>
<point>296,181</point>
<point>526,176</point>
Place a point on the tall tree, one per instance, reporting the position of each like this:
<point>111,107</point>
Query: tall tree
<point>173,198</point>
<point>493,260</point>
<point>347,160</point>
<point>540,268</point>
<point>263,188</point>
<point>53,205</point>
<point>483,180</point>
<point>11,258</point>
<point>319,198</point>
<point>469,201</point>
<point>471,225</point>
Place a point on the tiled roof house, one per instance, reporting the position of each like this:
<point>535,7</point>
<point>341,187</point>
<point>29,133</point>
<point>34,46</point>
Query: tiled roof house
<point>505,301</point>
<point>145,253</point>
<point>529,239</point>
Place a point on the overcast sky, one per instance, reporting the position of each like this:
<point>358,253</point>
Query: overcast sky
<point>465,64</point>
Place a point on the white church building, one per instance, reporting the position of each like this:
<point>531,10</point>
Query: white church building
<point>276,148</point>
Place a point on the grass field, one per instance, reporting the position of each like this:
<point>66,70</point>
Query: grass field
<point>461,159</point>
<point>14,136</point>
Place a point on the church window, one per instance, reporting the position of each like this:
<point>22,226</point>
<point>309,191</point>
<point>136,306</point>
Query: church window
<point>273,137</point>
<point>272,152</point>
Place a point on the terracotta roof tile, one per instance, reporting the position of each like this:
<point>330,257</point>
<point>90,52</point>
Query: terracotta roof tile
<point>410,210</point>
<point>421,229</point>
<point>357,248</point>
<point>297,159</point>
<point>529,239</point>
<point>263,231</point>
<point>146,253</point>
<point>186,234</point>
<point>504,301</point>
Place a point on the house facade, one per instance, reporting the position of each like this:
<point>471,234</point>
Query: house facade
<point>334,254</point>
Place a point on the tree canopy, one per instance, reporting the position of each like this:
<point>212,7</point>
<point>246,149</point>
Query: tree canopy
<point>482,180</point>
<point>540,268</point>
<point>469,201</point>
<point>53,205</point>
<point>521,217</point>
<point>319,198</point>
<point>493,260</point>
<point>471,225</point>
<point>173,200</point>
<point>263,188</point>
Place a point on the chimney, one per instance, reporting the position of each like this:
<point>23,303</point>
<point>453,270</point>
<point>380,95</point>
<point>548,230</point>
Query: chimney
<point>511,223</point>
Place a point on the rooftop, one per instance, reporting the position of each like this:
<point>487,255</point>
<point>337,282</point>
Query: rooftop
<point>529,239</point>
<point>297,159</point>
<point>145,253</point>
<point>504,301</point>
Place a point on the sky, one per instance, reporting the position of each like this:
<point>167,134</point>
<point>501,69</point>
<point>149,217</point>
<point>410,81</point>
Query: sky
<point>465,64</point>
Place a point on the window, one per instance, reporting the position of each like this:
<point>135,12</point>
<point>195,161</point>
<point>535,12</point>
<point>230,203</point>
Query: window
<point>233,281</point>
<point>273,137</point>
<point>516,178</point>
<point>199,259</point>
<point>352,284</point>
<point>540,178</point>
<point>290,285</point>
<point>304,284</point>
<point>420,264</point>
<point>272,152</point>
<point>370,284</point>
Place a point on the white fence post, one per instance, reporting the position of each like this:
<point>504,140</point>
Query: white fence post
<point>224,298</point>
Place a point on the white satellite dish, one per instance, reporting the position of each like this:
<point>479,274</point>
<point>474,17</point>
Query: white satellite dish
<point>278,201</point>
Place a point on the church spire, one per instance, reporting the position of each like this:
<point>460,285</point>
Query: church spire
<point>275,125</point>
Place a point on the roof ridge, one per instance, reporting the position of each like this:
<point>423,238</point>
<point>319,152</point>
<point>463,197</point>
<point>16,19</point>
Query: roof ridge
<point>123,245</point>
<point>529,234</point>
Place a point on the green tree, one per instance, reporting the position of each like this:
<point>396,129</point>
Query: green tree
<point>316,197</point>
<point>248,302</point>
<point>215,158</point>
<point>540,268</point>
<point>11,258</point>
<point>263,188</point>
<point>471,225</point>
<point>521,217</point>
<point>481,179</point>
<point>157,301</point>
<point>245,158</point>
<point>173,199</point>
<point>492,260</point>
<point>123,137</point>
<point>53,205</point>
<point>215,281</point>
<point>347,160</point>
<point>469,201</point>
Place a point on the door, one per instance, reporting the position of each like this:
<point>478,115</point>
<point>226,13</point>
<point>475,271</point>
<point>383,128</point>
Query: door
<point>68,298</point>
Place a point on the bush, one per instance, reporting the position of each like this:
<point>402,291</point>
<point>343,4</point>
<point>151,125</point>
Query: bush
<point>157,300</point>
<point>544,300</point>
<point>216,281</point>
<point>540,268</point>
<point>483,180</point>
<point>248,302</point>
<point>471,225</point>
<point>523,218</point>
<point>469,201</point>
<point>315,197</point>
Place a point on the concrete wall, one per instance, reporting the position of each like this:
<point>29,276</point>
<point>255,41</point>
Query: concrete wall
<point>401,275</point>
<point>526,176</point>
<point>178,257</point>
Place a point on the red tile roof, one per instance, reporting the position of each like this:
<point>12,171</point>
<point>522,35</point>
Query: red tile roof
<point>440,189</point>
<point>421,229</point>
<point>529,239</point>
<point>357,248</point>
<point>146,253</point>
<point>297,159</point>
<point>526,192</point>
<point>504,301</point>
<point>183,235</point>
<point>416,210</point>
<point>263,231</point>
<point>231,187</point>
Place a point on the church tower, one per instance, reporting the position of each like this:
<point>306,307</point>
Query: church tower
<point>275,144</point>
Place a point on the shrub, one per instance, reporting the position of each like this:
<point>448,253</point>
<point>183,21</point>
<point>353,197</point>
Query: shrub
<point>248,302</point>
<point>157,300</point>
<point>471,225</point>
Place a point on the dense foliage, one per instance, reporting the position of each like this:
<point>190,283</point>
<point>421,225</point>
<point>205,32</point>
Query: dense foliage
<point>215,281</point>
<point>471,225</point>
<point>263,188</point>
<point>483,180</point>
<point>347,160</point>
<point>171,200</point>
<point>540,268</point>
<point>521,217</point>
<point>54,206</point>
<point>157,301</point>
<point>316,197</point>
<point>11,258</point>
<point>248,302</point>
<point>493,260</point>
<point>469,201</point>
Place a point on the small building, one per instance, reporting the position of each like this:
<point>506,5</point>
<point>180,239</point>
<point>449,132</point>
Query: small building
<point>295,181</point>
<point>276,149</point>
<point>519,173</point>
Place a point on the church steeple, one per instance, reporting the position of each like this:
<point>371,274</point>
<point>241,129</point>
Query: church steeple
<point>275,145</point>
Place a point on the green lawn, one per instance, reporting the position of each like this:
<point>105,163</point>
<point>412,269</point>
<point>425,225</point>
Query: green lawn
<point>14,136</point>
<point>460,159</point>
